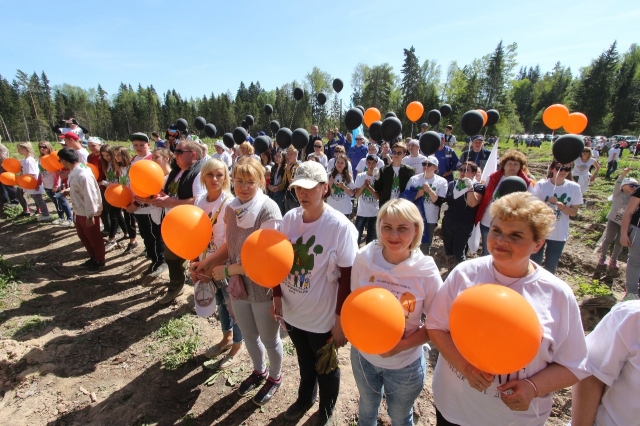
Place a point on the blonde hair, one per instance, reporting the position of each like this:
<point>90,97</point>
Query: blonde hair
<point>48,145</point>
<point>248,147</point>
<point>250,168</point>
<point>404,210</point>
<point>528,208</point>
<point>27,147</point>
<point>211,165</point>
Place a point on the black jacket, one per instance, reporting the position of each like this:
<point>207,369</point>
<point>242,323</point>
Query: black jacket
<point>185,184</point>
<point>383,184</point>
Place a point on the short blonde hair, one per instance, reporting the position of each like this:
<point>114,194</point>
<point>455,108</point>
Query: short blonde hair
<point>250,168</point>
<point>404,210</point>
<point>27,147</point>
<point>214,164</point>
<point>528,208</point>
<point>248,147</point>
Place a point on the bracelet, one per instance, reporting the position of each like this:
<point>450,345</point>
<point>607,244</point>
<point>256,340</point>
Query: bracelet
<point>535,388</point>
<point>226,275</point>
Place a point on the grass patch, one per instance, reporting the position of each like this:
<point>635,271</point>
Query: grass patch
<point>179,339</point>
<point>33,323</point>
<point>8,280</point>
<point>593,288</point>
<point>288,348</point>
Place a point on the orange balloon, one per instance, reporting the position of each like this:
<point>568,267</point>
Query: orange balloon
<point>576,123</point>
<point>44,162</point>
<point>147,176</point>
<point>186,231</point>
<point>414,111</point>
<point>267,247</point>
<point>54,160</point>
<point>27,182</point>
<point>484,116</point>
<point>118,195</point>
<point>495,328</point>
<point>8,178</point>
<point>139,193</point>
<point>555,116</point>
<point>372,319</point>
<point>11,165</point>
<point>371,115</point>
<point>94,170</point>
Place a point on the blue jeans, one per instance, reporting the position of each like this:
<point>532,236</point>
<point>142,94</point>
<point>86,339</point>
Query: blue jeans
<point>484,233</point>
<point>612,166</point>
<point>401,388</point>
<point>552,250</point>
<point>226,322</point>
<point>370,223</point>
<point>62,207</point>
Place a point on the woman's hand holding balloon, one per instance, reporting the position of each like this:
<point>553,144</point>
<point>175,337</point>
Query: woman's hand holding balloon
<point>522,392</point>
<point>479,380</point>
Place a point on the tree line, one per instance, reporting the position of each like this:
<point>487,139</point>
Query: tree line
<point>607,91</point>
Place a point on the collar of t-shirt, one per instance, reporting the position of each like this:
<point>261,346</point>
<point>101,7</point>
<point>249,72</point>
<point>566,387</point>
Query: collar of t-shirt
<point>396,170</point>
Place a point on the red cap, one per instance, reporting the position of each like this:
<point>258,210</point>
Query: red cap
<point>71,135</point>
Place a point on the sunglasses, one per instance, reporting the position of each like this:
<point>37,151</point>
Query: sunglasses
<point>42,147</point>
<point>397,152</point>
<point>317,146</point>
<point>586,152</point>
<point>633,185</point>
<point>466,171</point>
<point>426,164</point>
<point>181,151</point>
<point>564,169</point>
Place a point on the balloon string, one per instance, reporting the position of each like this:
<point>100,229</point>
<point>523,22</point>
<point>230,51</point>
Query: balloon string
<point>294,114</point>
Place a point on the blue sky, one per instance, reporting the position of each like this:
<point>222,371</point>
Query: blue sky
<point>203,47</point>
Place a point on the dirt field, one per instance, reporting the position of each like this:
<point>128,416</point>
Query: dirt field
<point>81,349</point>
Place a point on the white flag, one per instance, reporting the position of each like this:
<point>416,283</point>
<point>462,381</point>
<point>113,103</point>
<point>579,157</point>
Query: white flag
<point>490,167</point>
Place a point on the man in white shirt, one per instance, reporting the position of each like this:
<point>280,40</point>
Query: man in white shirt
<point>612,161</point>
<point>414,159</point>
<point>449,139</point>
<point>72,140</point>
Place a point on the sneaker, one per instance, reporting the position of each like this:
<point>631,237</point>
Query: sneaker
<point>101,227</point>
<point>130,248</point>
<point>97,266</point>
<point>110,245</point>
<point>57,222</point>
<point>122,239</point>
<point>251,382</point>
<point>267,391</point>
<point>157,270</point>
<point>216,350</point>
<point>87,264</point>
<point>602,261</point>
<point>170,296</point>
<point>43,218</point>
<point>613,264</point>
<point>68,223</point>
<point>297,409</point>
<point>230,360</point>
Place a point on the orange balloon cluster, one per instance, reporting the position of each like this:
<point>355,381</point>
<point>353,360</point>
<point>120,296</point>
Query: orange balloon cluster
<point>557,116</point>
<point>495,328</point>
<point>372,319</point>
<point>147,178</point>
<point>11,165</point>
<point>267,257</point>
<point>371,115</point>
<point>414,111</point>
<point>8,178</point>
<point>54,160</point>
<point>118,195</point>
<point>44,162</point>
<point>186,230</point>
<point>94,170</point>
<point>576,123</point>
<point>485,117</point>
<point>27,182</point>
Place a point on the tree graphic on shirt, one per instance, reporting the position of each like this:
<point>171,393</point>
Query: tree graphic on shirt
<point>564,199</point>
<point>303,261</point>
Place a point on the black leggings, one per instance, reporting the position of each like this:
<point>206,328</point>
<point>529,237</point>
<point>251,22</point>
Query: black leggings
<point>126,222</point>
<point>441,421</point>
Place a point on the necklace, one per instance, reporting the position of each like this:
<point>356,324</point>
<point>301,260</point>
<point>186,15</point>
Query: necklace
<point>509,281</point>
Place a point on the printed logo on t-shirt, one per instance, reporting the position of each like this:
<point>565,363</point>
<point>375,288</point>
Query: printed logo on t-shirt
<point>395,186</point>
<point>240,213</point>
<point>564,199</point>
<point>303,263</point>
<point>337,192</point>
<point>205,294</point>
<point>212,247</point>
<point>111,176</point>
<point>173,189</point>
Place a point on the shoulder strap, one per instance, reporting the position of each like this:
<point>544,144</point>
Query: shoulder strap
<point>214,219</point>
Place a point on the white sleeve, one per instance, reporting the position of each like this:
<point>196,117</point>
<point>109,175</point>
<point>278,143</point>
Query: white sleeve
<point>356,271</point>
<point>441,189</point>
<point>360,166</point>
<point>197,187</point>
<point>347,245</point>
<point>577,199</point>
<point>440,307</point>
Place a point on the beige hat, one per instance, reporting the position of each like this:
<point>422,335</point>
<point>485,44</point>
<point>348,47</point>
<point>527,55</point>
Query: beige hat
<point>309,174</point>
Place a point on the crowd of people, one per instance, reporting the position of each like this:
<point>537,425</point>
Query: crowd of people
<point>360,212</point>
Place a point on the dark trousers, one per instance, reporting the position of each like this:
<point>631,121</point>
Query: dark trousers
<point>62,207</point>
<point>106,219</point>
<point>441,421</point>
<point>150,233</point>
<point>455,235</point>
<point>612,166</point>
<point>307,345</point>
<point>176,269</point>
<point>91,237</point>
<point>125,221</point>
<point>370,223</point>
<point>7,194</point>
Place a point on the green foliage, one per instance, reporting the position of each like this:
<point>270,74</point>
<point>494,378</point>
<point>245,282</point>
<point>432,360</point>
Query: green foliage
<point>181,335</point>
<point>8,279</point>
<point>593,288</point>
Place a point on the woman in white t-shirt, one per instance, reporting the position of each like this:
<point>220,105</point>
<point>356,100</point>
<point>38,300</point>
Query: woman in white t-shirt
<point>610,396</point>
<point>311,297</point>
<point>465,395</point>
<point>581,169</point>
<point>214,176</point>
<point>564,197</point>
<point>318,151</point>
<point>30,167</point>
<point>51,184</point>
<point>395,263</point>
<point>341,186</point>
<point>368,206</point>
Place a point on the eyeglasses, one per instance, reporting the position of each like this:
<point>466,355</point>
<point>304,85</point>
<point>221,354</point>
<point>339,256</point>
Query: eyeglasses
<point>239,183</point>
<point>564,169</point>
<point>317,146</point>
<point>466,171</point>
<point>181,151</point>
<point>397,152</point>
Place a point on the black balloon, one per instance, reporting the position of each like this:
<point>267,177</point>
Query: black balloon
<point>283,138</point>
<point>299,138</point>
<point>471,122</point>
<point>244,125</point>
<point>200,122</point>
<point>433,117</point>
<point>567,148</point>
<point>182,124</point>
<point>492,117</point>
<point>261,144</point>
<point>249,120</point>
<point>353,118</point>
<point>511,184</point>
<point>337,85</point>
<point>429,142</point>
<point>298,93</point>
<point>360,107</point>
<point>228,141</point>
<point>274,126</point>
<point>391,128</point>
<point>210,130</point>
<point>321,98</point>
<point>374,131</point>
<point>390,114</point>
<point>239,135</point>
<point>445,110</point>
<point>268,109</point>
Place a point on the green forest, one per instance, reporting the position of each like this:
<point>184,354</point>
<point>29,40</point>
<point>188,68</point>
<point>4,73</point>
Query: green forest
<point>607,91</point>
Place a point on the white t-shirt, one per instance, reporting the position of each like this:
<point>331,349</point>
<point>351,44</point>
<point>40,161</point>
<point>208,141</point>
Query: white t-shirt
<point>321,248</point>
<point>415,162</point>
<point>569,194</point>
<point>83,154</point>
<point>362,165</point>
<point>614,151</point>
<point>339,199</point>
<point>48,179</point>
<point>563,343</point>
<point>367,204</point>
<point>78,131</point>
<point>486,216</point>
<point>414,282</point>
<point>580,168</point>
<point>219,227</point>
<point>323,159</point>
<point>30,167</point>
<point>614,358</point>
<point>224,157</point>
<point>595,154</point>
<point>439,186</point>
